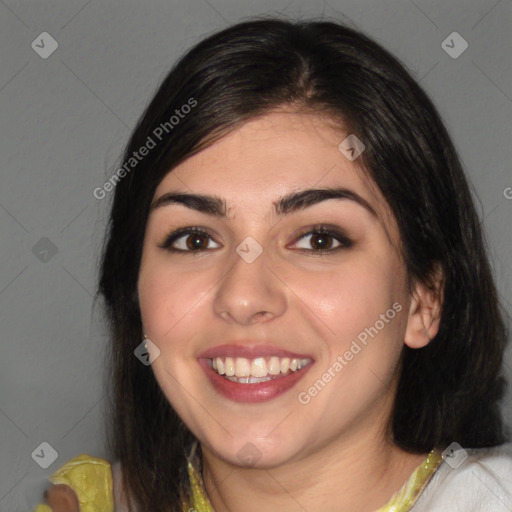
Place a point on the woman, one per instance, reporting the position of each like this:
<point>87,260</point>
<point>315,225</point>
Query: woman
<point>335,341</point>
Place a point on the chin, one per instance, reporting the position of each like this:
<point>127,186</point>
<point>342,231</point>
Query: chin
<point>256,453</point>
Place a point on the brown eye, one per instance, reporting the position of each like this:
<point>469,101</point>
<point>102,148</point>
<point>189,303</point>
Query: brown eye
<point>195,241</point>
<point>187,240</point>
<point>322,239</point>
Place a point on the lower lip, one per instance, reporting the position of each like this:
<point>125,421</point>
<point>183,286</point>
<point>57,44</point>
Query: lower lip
<point>259,392</point>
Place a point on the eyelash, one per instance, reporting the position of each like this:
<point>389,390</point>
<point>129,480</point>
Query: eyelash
<point>345,242</point>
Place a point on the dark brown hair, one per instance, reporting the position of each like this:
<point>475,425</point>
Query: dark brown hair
<point>450,389</point>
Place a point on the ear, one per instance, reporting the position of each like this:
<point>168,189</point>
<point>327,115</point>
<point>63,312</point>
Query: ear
<point>425,312</point>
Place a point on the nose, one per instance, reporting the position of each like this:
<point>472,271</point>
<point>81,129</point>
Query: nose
<point>250,292</point>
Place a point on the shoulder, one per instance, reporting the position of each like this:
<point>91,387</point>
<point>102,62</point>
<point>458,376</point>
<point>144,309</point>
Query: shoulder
<point>480,482</point>
<point>93,470</point>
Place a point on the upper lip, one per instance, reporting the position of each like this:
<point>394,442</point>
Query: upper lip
<point>249,351</point>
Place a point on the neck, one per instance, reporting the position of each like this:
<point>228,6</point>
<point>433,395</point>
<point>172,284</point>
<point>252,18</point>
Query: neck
<point>346,474</point>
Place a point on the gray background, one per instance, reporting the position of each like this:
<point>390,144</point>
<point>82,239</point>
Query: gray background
<point>64,121</point>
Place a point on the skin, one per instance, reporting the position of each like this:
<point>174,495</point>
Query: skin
<point>61,498</point>
<point>335,453</point>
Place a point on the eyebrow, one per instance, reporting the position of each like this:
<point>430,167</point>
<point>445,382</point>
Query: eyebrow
<point>216,206</point>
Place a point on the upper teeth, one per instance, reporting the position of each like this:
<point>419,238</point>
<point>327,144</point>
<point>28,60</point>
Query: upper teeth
<point>258,367</point>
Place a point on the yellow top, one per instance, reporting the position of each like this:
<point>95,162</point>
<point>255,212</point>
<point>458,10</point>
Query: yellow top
<point>91,478</point>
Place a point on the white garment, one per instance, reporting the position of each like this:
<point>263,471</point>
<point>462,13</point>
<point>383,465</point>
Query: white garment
<point>482,483</point>
<point>120,504</point>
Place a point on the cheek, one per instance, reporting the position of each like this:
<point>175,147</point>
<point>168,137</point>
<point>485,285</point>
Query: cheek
<point>169,299</point>
<point>362,306</point>
<point>350,303</point>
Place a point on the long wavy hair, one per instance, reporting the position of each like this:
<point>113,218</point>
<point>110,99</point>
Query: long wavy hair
<point>450,389</point>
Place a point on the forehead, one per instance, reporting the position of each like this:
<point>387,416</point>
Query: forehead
<point>269,157</point>
<point>270,154</point>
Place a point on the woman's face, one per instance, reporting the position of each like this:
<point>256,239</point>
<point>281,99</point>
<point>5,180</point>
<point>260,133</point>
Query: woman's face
<point>262,288</point>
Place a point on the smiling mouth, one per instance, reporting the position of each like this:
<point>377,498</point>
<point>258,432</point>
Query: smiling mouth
<point>254,371</point>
